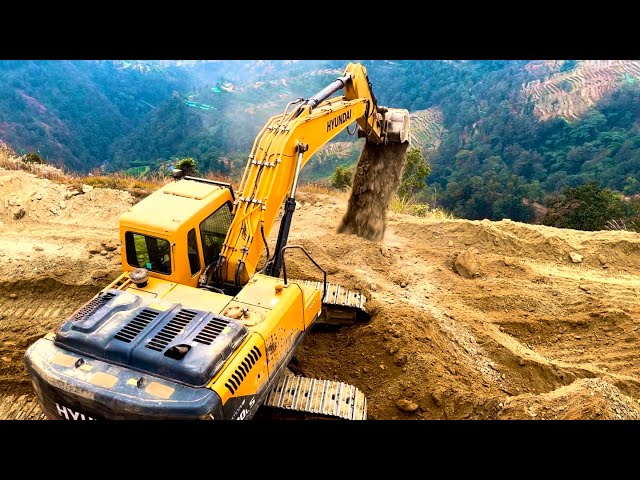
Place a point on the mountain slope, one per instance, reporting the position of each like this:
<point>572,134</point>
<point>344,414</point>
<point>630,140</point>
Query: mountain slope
<point>72,111</point>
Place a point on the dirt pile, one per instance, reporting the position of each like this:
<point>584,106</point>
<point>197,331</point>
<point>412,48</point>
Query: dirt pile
<point>532,334</point>
<point>376,179</point>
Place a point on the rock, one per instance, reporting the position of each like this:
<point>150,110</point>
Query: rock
<point>406,406</point>
<point>103,252</point>
<point>38,196</point>
<point>318,204</point>
<point>62,205</point>
<point>15,202</point>
<point>94,248</point>
<point>99,274</point>
<point>521,362</point>
<point>110,246</point>
<point>401,360</point>
<point>403,284</point>
<point>13,295</point>
<point>54,211</point>
<point>393,349</point>
<point>70,193</point>
<point>19,213</point>
<point>602,259</point>
<point>437,399</point>
<point>38,248</point>
<point>584,288</point>
<point>450,243</point>
<point>509,261</point>
<point>373,287</point>
<point>86,188</point>
<point>575,257</point>
<point>466,264</point>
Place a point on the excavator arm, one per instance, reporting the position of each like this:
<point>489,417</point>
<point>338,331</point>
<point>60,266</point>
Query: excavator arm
<point>280,151</point>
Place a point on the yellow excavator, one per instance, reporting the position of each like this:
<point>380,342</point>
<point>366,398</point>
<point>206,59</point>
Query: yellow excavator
<point>190,329</point>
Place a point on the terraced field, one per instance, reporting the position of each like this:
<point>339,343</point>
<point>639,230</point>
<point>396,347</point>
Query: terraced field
<point>570,94</point>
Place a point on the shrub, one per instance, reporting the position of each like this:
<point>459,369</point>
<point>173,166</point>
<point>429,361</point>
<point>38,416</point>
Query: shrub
<point>341,177</point>
<point>416,170</point>
<point>188,166</point>
<point>587,207</point>
<point>33,157</point>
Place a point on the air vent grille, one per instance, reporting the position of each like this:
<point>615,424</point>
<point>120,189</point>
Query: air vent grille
<point>92,306</point>
<point>237,377</point>
<point>211,330</point>
<point>135,326</point>
<point>173,328</point>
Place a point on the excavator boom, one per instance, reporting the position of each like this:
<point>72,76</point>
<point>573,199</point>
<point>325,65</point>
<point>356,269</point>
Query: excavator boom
<point>281,150</point>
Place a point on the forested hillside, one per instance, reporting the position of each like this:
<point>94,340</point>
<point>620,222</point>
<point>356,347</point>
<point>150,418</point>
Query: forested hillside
<point>495,132</point>
<point>73,111</point>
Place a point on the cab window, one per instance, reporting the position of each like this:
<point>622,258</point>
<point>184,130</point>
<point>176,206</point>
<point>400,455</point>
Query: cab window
<point>192,247</point>
<point>213,231</point>
<point>148,252</point>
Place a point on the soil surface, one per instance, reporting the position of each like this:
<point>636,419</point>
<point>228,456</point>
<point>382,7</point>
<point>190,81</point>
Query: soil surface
<point>471,319</point>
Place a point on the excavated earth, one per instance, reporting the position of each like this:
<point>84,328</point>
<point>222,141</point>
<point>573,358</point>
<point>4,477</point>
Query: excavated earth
<point>527,333</point>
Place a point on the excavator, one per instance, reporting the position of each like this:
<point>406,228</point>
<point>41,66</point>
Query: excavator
<point>192,329</point>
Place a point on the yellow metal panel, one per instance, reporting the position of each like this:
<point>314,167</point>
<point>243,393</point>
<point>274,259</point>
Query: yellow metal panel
<point>197,298</point>
<point>64,360</point>
<point>189,189</point>
<point>159,390</point>
<point>155,288</point>
<point>237,377</point>
<point>102,379</point>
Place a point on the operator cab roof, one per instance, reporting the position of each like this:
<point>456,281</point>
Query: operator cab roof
<point>165,210</point>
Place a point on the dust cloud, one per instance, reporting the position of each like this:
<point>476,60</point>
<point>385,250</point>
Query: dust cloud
<point>376,179</point>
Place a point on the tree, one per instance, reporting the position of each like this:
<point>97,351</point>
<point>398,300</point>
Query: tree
<point>416,170</point>
<point>587,207</point>
<point>341,177</point>
<point>188,166</point>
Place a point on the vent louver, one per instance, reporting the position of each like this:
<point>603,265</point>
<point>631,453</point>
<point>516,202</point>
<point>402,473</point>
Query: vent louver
<point>135,326</point>
<point>237,377</point>
<point>211,330</point>
<point>172,329</point>
<point>92,306</point>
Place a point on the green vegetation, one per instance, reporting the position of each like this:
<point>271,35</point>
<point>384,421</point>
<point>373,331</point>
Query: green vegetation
<point>590,207</point>
<point>341,177</point>
<point>416,171</point>
<point>33,157</point>
<point>188,166</point>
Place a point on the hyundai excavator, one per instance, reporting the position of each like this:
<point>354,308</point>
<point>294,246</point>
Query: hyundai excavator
<point>192,329</point>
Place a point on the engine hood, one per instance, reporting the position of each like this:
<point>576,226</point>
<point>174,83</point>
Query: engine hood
<point>169,340</point>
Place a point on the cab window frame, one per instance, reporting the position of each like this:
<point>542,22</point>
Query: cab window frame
<point>132,253</point>
<point>227,205</point>
<point>198,250</point>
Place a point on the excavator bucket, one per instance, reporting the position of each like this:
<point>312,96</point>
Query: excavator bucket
<point>397,125</point>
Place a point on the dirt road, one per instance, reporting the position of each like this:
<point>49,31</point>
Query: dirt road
<point>532,334</point>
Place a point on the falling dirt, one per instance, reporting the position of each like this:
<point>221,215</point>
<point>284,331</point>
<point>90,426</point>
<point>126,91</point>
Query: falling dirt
<point>376,179</point>
<point>531,335</point>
